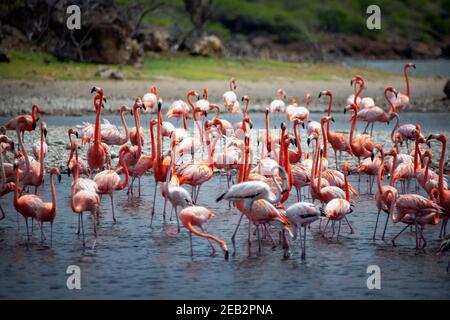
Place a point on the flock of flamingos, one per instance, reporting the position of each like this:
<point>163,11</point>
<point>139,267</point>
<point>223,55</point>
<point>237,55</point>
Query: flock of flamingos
<point>258,189</point>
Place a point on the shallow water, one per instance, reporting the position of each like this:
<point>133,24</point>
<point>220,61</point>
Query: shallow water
<point>131,260</point>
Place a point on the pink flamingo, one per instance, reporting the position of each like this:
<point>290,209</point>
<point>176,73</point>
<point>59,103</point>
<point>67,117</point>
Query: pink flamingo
<point>199,216</point>
<point>98,153</point>
<point>37,146</point>
<point>402,100</point>
<point>150,99</point>
<point>444,194</point>
<point>24,122</point>
<point>108,181</point>
<point>338,208</point>
<point>366,101</point>
<point>230,100</point>
<point>384,196</point>
<point>34,174</point>
<point>72,160</point>
<point>338,140</point>
<point>113,137</point>
<point>83,200</point>
<point>136,137</point>
<point>294,111</point>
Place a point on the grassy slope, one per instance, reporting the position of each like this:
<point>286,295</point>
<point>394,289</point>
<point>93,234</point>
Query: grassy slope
<point>42,66</point>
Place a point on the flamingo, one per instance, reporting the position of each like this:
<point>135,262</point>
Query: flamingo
<point>230,100</point>
<point>383,198</point>
<point>144,163</point>
<point>4,190</point>
<point>294,111</point>
<point>445,246</point>
<point>136,138</point>
<point>202,105</point>
<point>72,160</point>
<point>113,137</point>
<point>337,208</point>
<point>278,105</point>
<point>98,153</point>
<point>302,214</point>
<point>338,140</point>
<point>444,194</point>
<point>366,101</point>
<point>34,174</point>
<point>24,122</point>
<point>160,165</point>
<point>362,145</point>
<point>402,100</point>
<point>83,200</point>
<point>190,94</point>
<point>37,145</point>
<point>198,173</point>
<point>108,181</point>
<point>150,99</point>
<point>46,212</point>
<point>199,216</point>
<point>372,114</point>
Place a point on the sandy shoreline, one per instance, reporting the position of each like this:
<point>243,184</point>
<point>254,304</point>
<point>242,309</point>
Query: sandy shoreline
<point>74,98</point>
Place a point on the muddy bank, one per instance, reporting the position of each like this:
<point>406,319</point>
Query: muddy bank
<point>74,98</point>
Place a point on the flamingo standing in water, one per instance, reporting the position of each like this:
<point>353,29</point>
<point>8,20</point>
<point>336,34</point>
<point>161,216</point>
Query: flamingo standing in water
<point>383,198</point>
<point>277,105</point>
<point>294,111</point>
<point>5,186</point>
<point>199,216</point>
<point>444,194</point>
<point>37,145</point>
<point>160,165</point>
<point>72,160</point>
<point>113,137</point>
<point>364,102</point>
<point>24,122</point>
<point>230,99</point>
<point>401,101</point>
<point>108,181</point>
<point>362,145</point>
<point>136,138</point>
<point>47,211</point>
<point>98,153</point>
<point>144,163</point>
<point>338,140</point>
<point>337,209</point>
<point>84,199</point>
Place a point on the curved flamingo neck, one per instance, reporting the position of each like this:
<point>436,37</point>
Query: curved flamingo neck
<point>391,106</point>
<point>352,130</point>
<point>53,190</point>
<point>394,164</point>
<point>360,89</point>
<point>380,172</point>
<point>308,99</point>
<point>203,235</point>
<point>194,115</point>
<point>324,140</point>
<point>152,138</point>
<point>316,158</point>
<point>347,193</point>
<point>184,121</point>
<point>41,156</point>
<point>397,124</point>
<point>137,122</point>
<point>25,153</point>
<point>124,183</point>
<point>71,148</point>
<point>405,71</point>
<point>329,111</point>
<point>34,110</point>
<point>159,140</point>
<point>16,189</point>
<point>319,178</point>
<point>441,169</point>
<point>425,177</point>
<point>416,152</point>
<point>98,99</point>
<point>298,139</point>
<point>124,123</point>
<point>268,143</point>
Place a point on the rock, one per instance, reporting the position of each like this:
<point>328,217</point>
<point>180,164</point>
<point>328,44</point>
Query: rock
<point>208,46</point>
<point>154,39</point>
<point>108,73</point>
<point>4,57</point>
<point>447,89</point>
<point>424,50</point>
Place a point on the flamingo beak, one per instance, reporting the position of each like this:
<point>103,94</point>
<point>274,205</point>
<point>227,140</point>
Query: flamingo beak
<point>308,141</point>
<point>93,89</point>
<point>59,178</point>
<point>12,146</point>
<point>242,99</point>
<point>104,99</point>
<point>131,112</point>
<point>372,156</point>
<point>320,94</point>
<point>332,119</point>
<point>429,137</point>
<point>45,133</point>
<point>68,172</point>
<point>76,134</point>
<point>303,125</point>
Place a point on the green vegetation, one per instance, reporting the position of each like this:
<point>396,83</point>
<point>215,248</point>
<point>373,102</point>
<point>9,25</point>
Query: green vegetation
<point>42,66</point>
<point>302,20</point>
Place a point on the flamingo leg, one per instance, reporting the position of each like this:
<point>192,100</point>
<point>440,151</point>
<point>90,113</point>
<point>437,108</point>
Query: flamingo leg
<point>28,233</point>
<point>51,234</point>
<point>367,126</point>
<point>139,186</point>
<point>248,239</point>
<point>3,213</point>
<point>349,225</point>
<point>326,225</point>
<point>112,206</point>
<point>376,224</point>
<point>396,236</point>
<point>336,159</point>
<point>190,241</point>
<point>385,227</point>
<point>304,243</point>
<point>154,199</point>
<point>259,238</point>
<point>79,222</point>
<point>274,245</point>
<point>233,237</point>
<point>339,229</point>
<point>82,229</point>
<point>178,220</point>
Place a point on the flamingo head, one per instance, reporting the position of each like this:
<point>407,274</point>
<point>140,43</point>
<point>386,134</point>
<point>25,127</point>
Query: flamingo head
<point>294,102</point>
<point>325,93</point>
<point>409,65</point>
<point>124,108</point>
<point>233,85</point>
<point>34,110</point>
<point>392,90</point>
<point>56,171</point>
<point>154,90</point>
<point>72,131</point>
<point>205,94</point>
<point>441,137</point>
<point>281,94</point>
